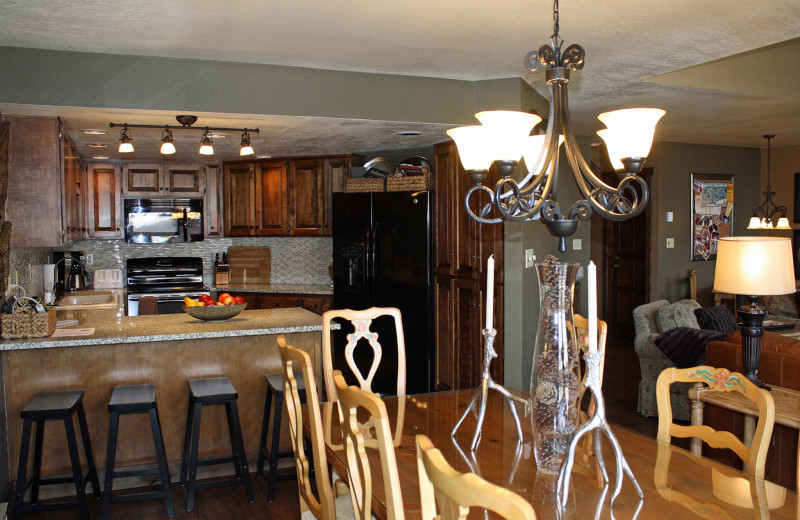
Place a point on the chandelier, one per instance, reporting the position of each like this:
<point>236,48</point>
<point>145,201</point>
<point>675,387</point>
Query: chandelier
<point>503,137</point>
<point>763,216</point>
<point>186,122</point>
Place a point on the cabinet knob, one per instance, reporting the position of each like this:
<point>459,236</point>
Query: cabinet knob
<point>161,188</point>
<point>212,227</point>
<point>166,189</point>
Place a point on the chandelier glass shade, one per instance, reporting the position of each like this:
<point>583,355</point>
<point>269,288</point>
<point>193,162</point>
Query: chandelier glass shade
<point>167,143</point>
<point>765,214</point>
<point>504,138</point>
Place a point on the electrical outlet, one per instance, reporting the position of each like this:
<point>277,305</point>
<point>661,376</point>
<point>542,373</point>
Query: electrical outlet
<point>670,243</point>
<point>577,244</point>
<point>89,259</point>
<point>529,258</point>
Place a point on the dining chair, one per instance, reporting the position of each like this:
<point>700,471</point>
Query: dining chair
<point>582,340</point>
<point>351,399</point>
<point>148,305</point>
<point>456,492</point>
<point>321,505</point>
<point>721,380</point>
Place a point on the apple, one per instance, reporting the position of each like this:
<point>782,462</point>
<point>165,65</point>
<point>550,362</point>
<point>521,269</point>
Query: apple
<point>227,299</point>
<point>204,298</point>
<point>238,300</point>
<point>221,297</point>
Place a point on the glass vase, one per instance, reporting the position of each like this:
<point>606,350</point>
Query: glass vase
<point>554,378</point>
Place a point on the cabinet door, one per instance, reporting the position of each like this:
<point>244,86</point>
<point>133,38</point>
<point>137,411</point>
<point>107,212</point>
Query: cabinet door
<point>280,301</point>
<point>184,180</point>
<point>445,347</point>
<point>445,204</point>
<point>467,230</point>
<point>335,171</point>
<point>239,197</point>
<point>103,203</point>
<point>271,202</point>
<point>467,323</point>
<point>213,201</point>
<point>317,304</point>
<point>73,191</point>
<point>490,236</point>
<point>142,180</point>
<point>305,197</point>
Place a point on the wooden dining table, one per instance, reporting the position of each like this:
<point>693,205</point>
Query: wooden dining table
<point>676,483</point>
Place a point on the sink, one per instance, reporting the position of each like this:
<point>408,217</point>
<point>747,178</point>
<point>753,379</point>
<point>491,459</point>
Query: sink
<point>88,298</point>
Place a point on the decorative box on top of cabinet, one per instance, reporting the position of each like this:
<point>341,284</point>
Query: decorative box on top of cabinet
<point>168,180</point>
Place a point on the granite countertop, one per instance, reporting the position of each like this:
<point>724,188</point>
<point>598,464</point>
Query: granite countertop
<point>272,288</point>
<point>113,329</point>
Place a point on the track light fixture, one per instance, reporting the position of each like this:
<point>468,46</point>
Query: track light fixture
<point>246,148</point>
<point>186,122</point>
<point>125,142</point>
<point>167,144</point>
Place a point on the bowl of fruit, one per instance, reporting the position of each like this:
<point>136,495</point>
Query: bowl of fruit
<point>207,309</point>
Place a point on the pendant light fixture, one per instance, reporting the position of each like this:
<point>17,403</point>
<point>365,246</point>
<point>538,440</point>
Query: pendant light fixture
<point>186,122</point>
<point>246,148</point>
<point>763,216</point>
<point>206,147</point>
<point>125,142</point>
<point>167,144</point>
<point>503,136</point>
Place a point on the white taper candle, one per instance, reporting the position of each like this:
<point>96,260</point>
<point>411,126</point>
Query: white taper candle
<point>592,283</point>
<point>490,293</point>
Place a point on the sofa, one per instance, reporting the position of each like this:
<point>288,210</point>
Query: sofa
<point>779,365</point>
<point>650,321</point>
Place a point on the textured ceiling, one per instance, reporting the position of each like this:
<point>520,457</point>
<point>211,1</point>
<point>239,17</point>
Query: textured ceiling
<point>725,70</point>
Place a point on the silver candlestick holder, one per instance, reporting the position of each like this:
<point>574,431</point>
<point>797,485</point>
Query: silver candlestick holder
<point>478,402</point>
<point>596,424</point>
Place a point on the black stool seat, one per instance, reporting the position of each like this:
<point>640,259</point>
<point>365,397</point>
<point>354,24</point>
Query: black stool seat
<point>212,391</point>
<point>275,387</point>
<point>54,405</point>
<point>127,400</point>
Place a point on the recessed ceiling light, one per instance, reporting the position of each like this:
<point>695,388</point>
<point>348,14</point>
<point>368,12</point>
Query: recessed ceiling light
<point>97,145</point>
<point>101,157</point>
<point>217,136</point>
<point>94,131</point>
<point>263,156</point>
<point>409,133</point>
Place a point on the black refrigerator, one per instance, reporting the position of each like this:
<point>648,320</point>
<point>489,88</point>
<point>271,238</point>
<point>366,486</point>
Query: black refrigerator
<point>382,257</point>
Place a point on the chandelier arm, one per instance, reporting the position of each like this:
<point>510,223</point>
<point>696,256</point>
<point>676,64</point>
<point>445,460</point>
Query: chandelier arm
<point>485,209</point>
<point>522,204</point>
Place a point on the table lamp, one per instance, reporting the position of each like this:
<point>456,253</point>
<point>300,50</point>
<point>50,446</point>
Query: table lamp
<point>753,267</point>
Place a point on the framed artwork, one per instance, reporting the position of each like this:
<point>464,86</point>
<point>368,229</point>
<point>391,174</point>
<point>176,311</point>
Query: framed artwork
<point>797,198</point>
<point>712,213</point>
<point>796,251</point>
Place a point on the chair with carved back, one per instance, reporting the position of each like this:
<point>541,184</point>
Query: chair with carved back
<point>456,492</point>
<point>721,380</point>
<point>361,321</point>
<point>582,341</point>
<point>320,505</point>
<point>351,400</point>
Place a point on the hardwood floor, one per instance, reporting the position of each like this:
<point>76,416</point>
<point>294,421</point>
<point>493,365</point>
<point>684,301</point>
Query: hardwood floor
<point>620,389</point>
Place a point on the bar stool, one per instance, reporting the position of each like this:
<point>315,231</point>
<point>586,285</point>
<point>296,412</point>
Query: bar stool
<point>274,388</point>
<point>131,399</point>
<point>53,405</point>
<point>209,391</point>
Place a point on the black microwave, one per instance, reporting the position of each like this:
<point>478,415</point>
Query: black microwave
<point>161,221</point>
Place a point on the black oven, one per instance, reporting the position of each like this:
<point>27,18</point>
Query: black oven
<point>169,279</point>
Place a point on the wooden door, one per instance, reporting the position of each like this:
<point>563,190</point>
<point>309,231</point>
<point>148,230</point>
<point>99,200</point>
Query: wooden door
<point>271,201</point>
<point>239,197</point>
<point>104,201</point>
<point>627,268</point>
<point>184,180</point>
<point>213,201</point>
<point>444,206</point>
<point>443,290</point>
<point>466,325</point>
<point>142,180</point>
<point>466,231</point>
<point>306,194</point>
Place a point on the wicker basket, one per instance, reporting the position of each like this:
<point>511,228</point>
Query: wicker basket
<point>25,323</point>
<point>390,183</point>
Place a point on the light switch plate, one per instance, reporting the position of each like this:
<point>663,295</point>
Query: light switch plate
<point>670,243</point>
<point>577,244</point>
<point>529,258</point>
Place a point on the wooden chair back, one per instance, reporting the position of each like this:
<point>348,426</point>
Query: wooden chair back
<point>361,321</point>
<point>294,361</point>
<point>582,340</point>
<point>148,305</point>
<point>693,284</point>
<point>721,380</point>
<point>456,492</point>
<point>351,399</point>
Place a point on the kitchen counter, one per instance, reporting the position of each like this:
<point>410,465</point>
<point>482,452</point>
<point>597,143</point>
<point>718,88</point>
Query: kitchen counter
<point>277,289</point>
<point>114,329</point>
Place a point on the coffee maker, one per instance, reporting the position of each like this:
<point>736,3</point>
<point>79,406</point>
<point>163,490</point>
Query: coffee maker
<point>70,273</point>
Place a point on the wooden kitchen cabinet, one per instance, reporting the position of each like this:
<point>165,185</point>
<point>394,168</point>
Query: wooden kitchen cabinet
<point>104,201</point>
<point>317,303</point>
<point>178,180</point>
<point>306,197</point>
<point>46,191</point>
<point>214,223</point>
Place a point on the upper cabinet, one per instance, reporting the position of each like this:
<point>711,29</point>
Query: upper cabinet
<point>46,193</point>
<point>282,197</point>
<point>213,214</point>
<point>168,180</point>
<point>104,203</point>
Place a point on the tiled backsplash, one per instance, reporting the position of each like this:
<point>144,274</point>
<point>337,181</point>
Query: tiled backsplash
<point>295,261</point>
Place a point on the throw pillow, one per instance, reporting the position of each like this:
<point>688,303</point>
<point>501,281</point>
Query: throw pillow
<point>678,314</point>
<point>717,318</point>
<point>686,347</point>
<point>782,305</point>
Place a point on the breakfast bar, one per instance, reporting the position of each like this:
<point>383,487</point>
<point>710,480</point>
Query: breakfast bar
<point>165,350</point>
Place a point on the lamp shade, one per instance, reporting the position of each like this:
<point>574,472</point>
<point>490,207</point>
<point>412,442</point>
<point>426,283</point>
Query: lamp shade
<point>506,131</point>
<point>472,147</point>
<point>754,266</point>
<point>534,151</point>
<point>613,148</point>
<point>631,130</point>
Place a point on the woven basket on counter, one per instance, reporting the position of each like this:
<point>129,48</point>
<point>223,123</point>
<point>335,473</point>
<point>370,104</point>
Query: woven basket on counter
<point>25,323</point>
<point>390,183</point>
